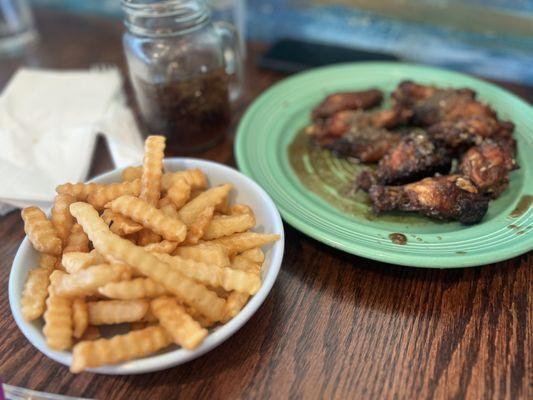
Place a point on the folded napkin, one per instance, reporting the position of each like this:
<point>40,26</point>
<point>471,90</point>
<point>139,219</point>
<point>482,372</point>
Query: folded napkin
<point>49,122</point>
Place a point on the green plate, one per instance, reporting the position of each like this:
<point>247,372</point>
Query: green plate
<point>308,186</point>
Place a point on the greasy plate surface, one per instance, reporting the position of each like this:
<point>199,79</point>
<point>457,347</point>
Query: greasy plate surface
<point>318,208</point>
<point>245,191</point>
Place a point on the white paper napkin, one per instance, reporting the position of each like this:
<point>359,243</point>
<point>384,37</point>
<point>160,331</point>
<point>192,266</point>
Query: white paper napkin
<point>49,122</point>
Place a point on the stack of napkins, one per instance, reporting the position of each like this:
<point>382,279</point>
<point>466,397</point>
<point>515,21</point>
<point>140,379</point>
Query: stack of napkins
<point>49,122</point>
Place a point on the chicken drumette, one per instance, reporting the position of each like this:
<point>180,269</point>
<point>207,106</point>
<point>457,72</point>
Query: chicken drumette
<point>488,165</point>
<point>450,197</point>
<point>342,101</point>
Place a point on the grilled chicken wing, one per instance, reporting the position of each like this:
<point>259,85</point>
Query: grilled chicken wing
<point>488,165</point>
<point>355,134</point>
<point>342,101</point>
<point>450,197</point>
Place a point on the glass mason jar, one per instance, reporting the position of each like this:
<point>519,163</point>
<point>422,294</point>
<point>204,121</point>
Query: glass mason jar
<point>184,70</point>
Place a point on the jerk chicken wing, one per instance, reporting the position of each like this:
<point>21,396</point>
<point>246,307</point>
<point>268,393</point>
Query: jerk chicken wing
<point>342,101</point>
<point>450,197</point>
<point>488,165</point>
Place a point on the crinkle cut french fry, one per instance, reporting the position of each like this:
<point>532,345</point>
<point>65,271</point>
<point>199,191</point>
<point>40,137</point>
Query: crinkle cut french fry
<point>119,348</point>
<point>108,312</point>
<point>255,255</point>
<point>194,177</point>
<point>57,317</point>
<point>239,242</point>
<point>77,241</point>
<point>106,193</point>
<point>87,281</point>
<point>61,218</point>
<point>40,231</point>
<point>197,228</point>
<point>34,293</point>
<point>234,304</point>
<point>244,264</point>
<point>151,217</point>
<point>79,190</point>
<point>211,197</point>
<point>80,317</point>
<point>138,288</point>
<point>227,278</point>
<point>225,225</point>
<point>184,288</point>
<point>163,246</point>
<point>120,224</point>
<point>201,319</point>
<point>185,331</point>
<point>168,208</point>
<point>154,148</point>
<point>76,261</point>
<point>179,193</point>
<point>48,261</point>
<point>131,173</point>
<point>206,253</point>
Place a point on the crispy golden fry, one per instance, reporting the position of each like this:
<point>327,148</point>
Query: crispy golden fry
<point>120,224</point>
<point>197,228</point>
<point>179,193</point>
<point>138,288</point>
<point>106,193</point>
<point>185,331</point>
<point>77,241</point>
<point>206,253</point>
<point>184,288</point>
<point>80,317</point>
<point>149,317</point>
<point>79,190</point>
<point>91,333</point>
<point>193,177</point>
<point>190,211</point>
<point>227,278</point>
<point>164,246</point>
<point>201,319</point>
<point>57,317</point>
<point>34,293</point>
<point>154,152</point>
<point>61,218</point>
<point>109,312</point>
<point>131,173</point>
<point>151,217</point>
<point>255,255</point>
<point>244,264</point>
<point>40,231</point>
<point>241,209</point>
<point>48,261</point>
<point>239,242</point>
<point>76,261</point>
<point>87,281</point>
<point>223,207</point>
<point>225,225</point>
<point>119,348</point>
<point>234,304</point>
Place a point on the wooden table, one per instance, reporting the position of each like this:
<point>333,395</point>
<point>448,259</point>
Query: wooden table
<point>334,325</point>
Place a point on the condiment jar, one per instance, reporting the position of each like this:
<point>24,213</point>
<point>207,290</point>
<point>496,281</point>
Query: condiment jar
<point>184,69</point>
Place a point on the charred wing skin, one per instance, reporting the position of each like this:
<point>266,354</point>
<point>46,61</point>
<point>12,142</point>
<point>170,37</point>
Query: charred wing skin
<point>341,101</point>
<point>488,165</point>
<point>414,157</point>
<point>446,198</point>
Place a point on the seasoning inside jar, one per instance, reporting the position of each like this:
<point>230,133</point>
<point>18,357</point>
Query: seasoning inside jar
<point>193,114</point>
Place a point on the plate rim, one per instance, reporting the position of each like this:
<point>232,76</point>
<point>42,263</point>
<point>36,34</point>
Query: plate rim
<point>386,256</point>
<point>177,356</point>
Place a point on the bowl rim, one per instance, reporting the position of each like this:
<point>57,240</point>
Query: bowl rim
<point>178,356</point>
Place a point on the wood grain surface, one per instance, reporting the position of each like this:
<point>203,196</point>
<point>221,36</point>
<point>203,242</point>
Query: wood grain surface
<point>334,325</point>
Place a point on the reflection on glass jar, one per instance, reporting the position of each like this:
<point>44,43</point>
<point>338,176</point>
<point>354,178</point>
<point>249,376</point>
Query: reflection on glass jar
<point>183,68</point>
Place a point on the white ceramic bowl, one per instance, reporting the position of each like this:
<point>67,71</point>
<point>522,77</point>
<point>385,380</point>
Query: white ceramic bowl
<point>245,191</point>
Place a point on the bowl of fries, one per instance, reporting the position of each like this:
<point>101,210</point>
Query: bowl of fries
<point>145,268</point>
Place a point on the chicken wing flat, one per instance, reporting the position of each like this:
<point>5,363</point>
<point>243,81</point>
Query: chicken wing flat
<point>450,197</point>
<point>355,134</point>
<point>343,101</point>
<point>470,130</point>
<point>427,105</point>
<point>488,165</point>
